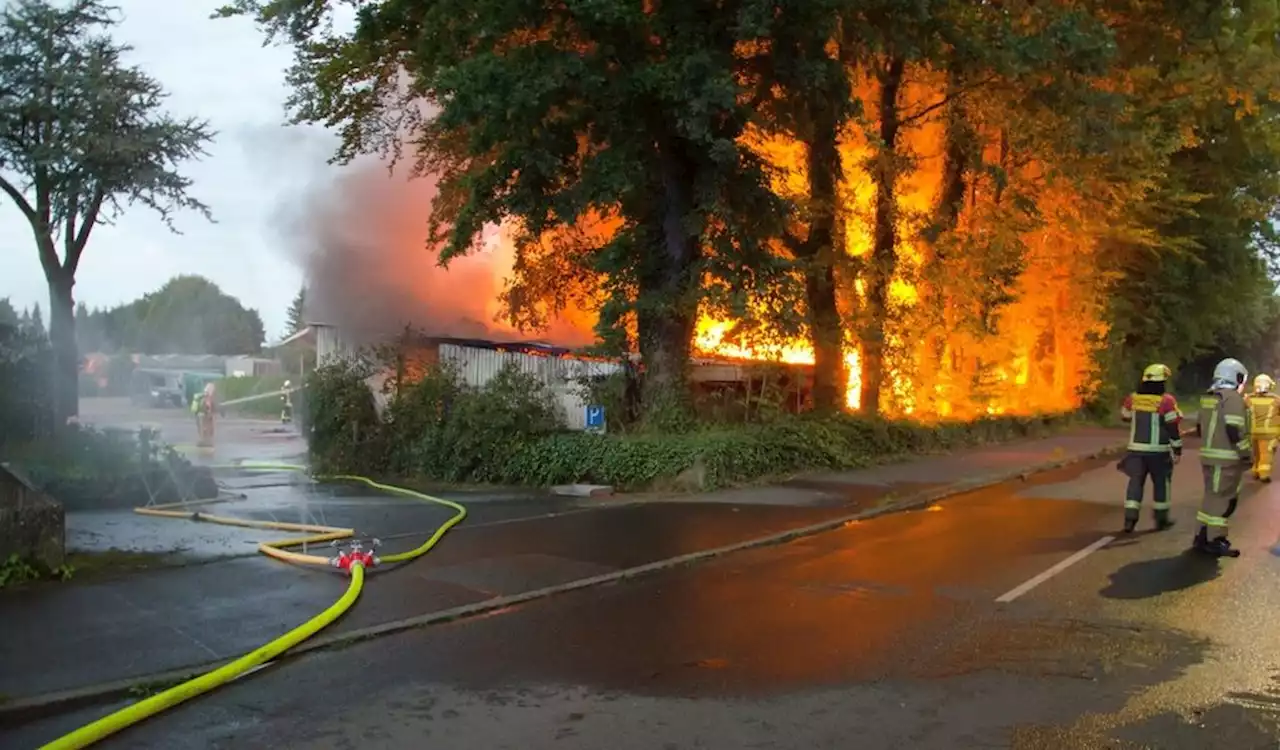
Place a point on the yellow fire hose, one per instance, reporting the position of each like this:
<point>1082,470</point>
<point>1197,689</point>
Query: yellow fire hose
<point>148,707</point>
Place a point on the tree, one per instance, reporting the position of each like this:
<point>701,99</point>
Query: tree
<point>804,88</point>
<point>1202,240</point>
<point>35,321</point>
<point>188,315</point>
<point>8,315</point>
<point>82,137</point>
<point>297,314</point>
<point>550,115</point>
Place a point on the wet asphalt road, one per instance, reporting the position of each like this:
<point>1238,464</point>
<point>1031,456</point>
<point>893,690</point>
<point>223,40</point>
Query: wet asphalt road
<point>884,634</point>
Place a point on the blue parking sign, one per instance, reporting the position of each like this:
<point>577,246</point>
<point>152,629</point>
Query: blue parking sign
<point>595,417</point>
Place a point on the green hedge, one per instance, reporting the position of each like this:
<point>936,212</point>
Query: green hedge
<point>722,457</point>
<point>508,433</point>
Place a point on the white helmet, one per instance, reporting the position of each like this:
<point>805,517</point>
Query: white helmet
<point>287,384</point>
<point>1263,383</point>
<point>1230,374</point>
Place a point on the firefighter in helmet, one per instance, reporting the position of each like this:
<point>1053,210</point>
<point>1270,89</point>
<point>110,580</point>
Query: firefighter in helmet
<point>1226,452</point>
<point>286,403</point>
<point>1155,445</point>
<point>1264,408</point>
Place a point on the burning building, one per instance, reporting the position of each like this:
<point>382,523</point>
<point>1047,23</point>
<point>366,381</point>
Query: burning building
<point>998,321</point>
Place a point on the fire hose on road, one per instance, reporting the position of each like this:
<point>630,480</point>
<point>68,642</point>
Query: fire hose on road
<point>355,561</point>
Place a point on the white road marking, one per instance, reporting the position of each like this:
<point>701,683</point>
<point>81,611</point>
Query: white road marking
<point>1014,593</point>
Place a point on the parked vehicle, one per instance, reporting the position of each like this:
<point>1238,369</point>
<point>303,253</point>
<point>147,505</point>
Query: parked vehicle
<point>156,388</point>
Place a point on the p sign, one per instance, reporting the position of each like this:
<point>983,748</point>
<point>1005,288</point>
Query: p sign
<point>595,417</point>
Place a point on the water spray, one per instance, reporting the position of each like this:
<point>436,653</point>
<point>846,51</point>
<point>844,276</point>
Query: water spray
<point>352,558</point>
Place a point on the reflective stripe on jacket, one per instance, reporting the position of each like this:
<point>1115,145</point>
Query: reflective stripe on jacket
<point>1224,427</point>
<point>1263,408</point>
<point>1155,424</point>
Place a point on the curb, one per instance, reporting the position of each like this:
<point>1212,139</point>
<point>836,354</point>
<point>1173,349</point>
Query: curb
<point>25,710</point>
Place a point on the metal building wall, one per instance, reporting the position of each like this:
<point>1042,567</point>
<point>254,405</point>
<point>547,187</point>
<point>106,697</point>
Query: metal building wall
<point>477,367</point>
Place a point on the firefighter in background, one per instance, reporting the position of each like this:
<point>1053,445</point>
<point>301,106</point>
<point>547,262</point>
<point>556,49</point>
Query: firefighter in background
<point>1155,445</point>
<point>1226,452</point>
<point>1264,408</point>
<point>206,407</point>
<point>286,404</point>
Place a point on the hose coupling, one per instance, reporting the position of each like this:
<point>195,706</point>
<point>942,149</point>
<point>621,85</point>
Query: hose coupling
<point>353,557</point>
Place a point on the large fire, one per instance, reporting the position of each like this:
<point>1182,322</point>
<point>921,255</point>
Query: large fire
<point>947,354</point>
<point>1037,356</point>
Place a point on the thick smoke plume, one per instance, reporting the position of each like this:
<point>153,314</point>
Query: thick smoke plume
<point>360,239</point>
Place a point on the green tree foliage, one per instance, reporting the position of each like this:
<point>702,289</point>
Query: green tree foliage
<point>33,320</point>
<point>1105,169</point>
<point>8,314</point>
<point>1189,279</point>
<point>188,315</point>
<point>25,395</point>
<point>82,136</point>
<point>550,115</point>
<point>297,314</point>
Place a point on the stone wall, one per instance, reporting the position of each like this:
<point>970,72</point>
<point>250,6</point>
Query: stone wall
<point>32,524</point>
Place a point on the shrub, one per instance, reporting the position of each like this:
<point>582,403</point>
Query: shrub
<point>26,362</point>
<point>722,457</point>
<point>510,432</point>
<point>85,453</point>
<point>444,429</point>
<point>346,433</point>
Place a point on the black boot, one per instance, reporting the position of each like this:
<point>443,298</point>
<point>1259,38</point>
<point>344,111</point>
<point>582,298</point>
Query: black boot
<point>1130,521</point>
<point>1220,547</point>
<point>1201,540</point>
<point>1163,521</point>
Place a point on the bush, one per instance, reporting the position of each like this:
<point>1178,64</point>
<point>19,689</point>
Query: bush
<point>722,457</point>
<point>345,431</point>
<point>78,452</point>
<point>442,428</point>
<point>84,468</point>
<point>510,432</point>
<point>26,398</point>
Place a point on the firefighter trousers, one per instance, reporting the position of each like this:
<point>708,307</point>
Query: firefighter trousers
<point>1263,453</point>
<point>1139,466</point>
<point>1221,493</point>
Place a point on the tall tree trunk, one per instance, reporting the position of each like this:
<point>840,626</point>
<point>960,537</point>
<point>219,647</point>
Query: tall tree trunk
<point>884,246</point>
<point>668,306</point>
<point>957,157</point>
<point>66,355</point>
<point>818,252</point>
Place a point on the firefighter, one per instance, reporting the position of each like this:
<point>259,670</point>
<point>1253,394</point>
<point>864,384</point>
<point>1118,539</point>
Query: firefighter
<point>1225,454</point>
<point>196,400</point>
<point>1264,409</point>
<point>286,404</point>
<point>1155,445</point>
<point>207,406</point>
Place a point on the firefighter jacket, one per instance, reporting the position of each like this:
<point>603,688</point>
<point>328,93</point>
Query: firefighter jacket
<point>1264,408</point>
<point>1224,425</point>
<point>1155,424</point>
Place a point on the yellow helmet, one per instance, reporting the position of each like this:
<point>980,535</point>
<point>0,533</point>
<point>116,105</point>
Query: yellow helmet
<point>1156,374</point>
<point>1263,383</point>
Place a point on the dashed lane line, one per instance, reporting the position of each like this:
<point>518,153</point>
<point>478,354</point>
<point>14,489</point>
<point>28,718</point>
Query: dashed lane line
<point>1031,583</point>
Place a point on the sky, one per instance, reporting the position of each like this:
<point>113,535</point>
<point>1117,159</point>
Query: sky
<point>217,70</point>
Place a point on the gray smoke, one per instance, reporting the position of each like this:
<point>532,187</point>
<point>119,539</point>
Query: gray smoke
<point>360,239</point>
